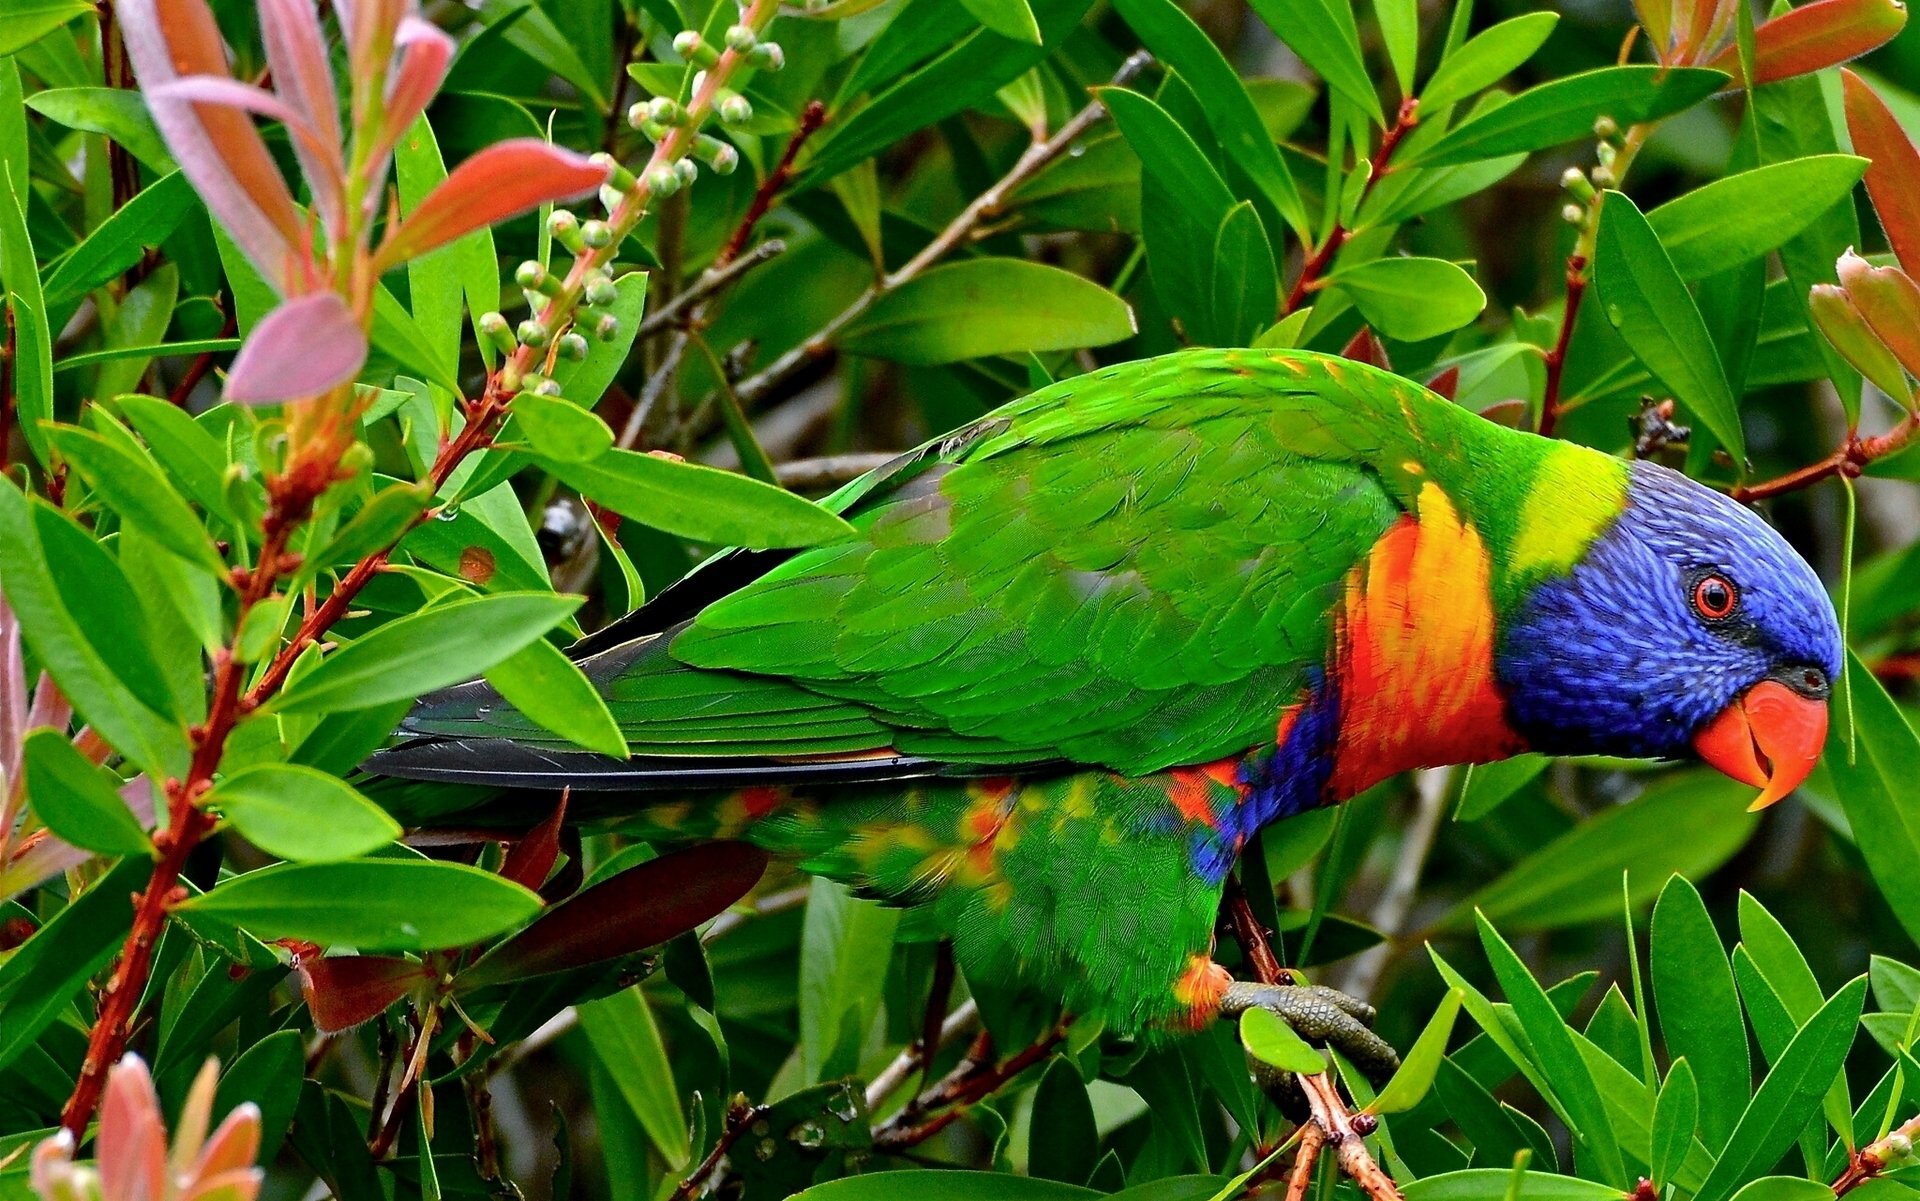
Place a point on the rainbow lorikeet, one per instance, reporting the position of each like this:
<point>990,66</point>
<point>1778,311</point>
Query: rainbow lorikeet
<point>1081,650</point>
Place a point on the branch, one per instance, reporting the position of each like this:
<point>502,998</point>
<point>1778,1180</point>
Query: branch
<point>1318,262</point>
<point>1849,460</point>
<point>976,1077</point>
<point>811,118</point>
<point>830,470</point>
<point>913,1057</point>
<point>1556,358</point>
<point>1345,1131</point>
<point>985,206</point>
<point>1895,1150</point>
<point>740,1119</point>
<point>1312,1141</point>
<point>711,280</point>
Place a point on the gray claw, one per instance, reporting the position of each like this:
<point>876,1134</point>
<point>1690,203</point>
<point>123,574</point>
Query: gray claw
<point>1319,1015</point>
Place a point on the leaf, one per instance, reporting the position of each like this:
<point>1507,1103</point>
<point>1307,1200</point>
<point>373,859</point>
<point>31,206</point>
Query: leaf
<point>32,356</point>
<point>41,978</point>
<point>1893,178</point>
<point>1065,1139</point>
<point>1565,109</point>
<point>397,904</point>
<point>561,429</point>
<point>1245,288</point>
<point>988,306</point>
<point>1559,1059</point>
<point>342,991</point>
<point>1412,299</point>
<point>1743,216</point>
<point>1485,1184</point>
<point>1399,22</point>
<point>303,815</point>
<point>423,651</point>
<point>1231,114</point>
<point>1817,35</point>
<point>1699,1010</point>
<point>79,802</point>
<point>1322,32</point>
<point>1646,301</point>
<point>24,22</point>
<point>950,1185</point>
<point>140,321</point>
<point>626,1039</point>
<point>118,242</point>
<point>502,180</point>
<point>116,113</point>
<point>1487,58</point>
<point>1888,300</point>
<point>1675,1116</point>
<point>1687,823</point>
<point>1784,1188</point>
<point>305,347</point>
<point>1271,1041</point>
<point>1847,331</point>
<point>541,682</point>
<point>586,382</point>
<point>136,490</point>
<point>105,606</point>
<point>1414,1078</point>
<point>631,910</point>
<point>1491,785</point>
<point>701,503</point>
<point>1789,1095</point>
<point>1008,18</point>
<point>1873,789</point>
<point>844,941</point>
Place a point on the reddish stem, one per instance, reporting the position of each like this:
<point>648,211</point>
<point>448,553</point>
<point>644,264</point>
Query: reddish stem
<point>812,118</point>
<point>1849,460</point>
<point>1556,358</point>
<point>1317,263</point>
<point>202,363</point>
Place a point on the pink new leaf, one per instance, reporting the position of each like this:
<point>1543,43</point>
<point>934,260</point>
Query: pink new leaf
<point>302,348</point>
<point>501,181</point>
<point>215,144</point>
<point>1822,34</point>
<point>424,53</point>
<point>224,89</point>
<point>132,1144</point>
<point>297,55</point>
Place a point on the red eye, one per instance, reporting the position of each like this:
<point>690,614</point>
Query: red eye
<point>1715,597</point>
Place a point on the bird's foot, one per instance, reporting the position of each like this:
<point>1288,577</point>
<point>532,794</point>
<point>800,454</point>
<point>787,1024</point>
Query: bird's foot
<point>1320,1015</point>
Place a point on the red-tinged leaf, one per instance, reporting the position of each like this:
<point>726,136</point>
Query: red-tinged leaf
<point>641,907</point>
<point>1890,301</point>
<point>502,181</point>
<point>1365,347</point>
<point>216,145</point>
<point>300,349</point>
<point>1446,384</point>
<point>131,1147</point>
<point>424,53</point>
<point>1843,326</point>
<point>297,55</point>
<point>345,990</point>
<point>234,1146</point>
<point>532,858</point>
<point>1822,34</point>
<point>1510,413</point>
<point>1893,178</point>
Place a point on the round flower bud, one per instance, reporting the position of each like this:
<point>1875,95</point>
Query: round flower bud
<point>572,346</point>
<point>663,180</point>
<point>1574,214</point>
<point>767,56</point>
<point>733,108</point>
<point>618,177</point>
<point>565,228</point>
<point>1604,127</point>
<point>1898,1146</point>
<point>741,38</point>
<point>1603,177</point>
<point>534,332</point>
<point>687,170</point>
<point>717,154</point>
<point>596,234</point>
<point>606,327</point>
<point>493,327</point>
<point>530,275</point>
<point>547,387</point>
<point>600,290</point>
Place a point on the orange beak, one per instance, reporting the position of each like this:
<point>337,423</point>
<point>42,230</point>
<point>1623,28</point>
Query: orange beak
<point>1769,738</point>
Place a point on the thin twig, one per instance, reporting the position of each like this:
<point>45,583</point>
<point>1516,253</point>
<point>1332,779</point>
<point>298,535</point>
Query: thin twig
<point>740,1119</point>
<point>1318,262</point>
<point>1556,358</point>
<point>812,118</point>
<point>711,281</point>
<point>1312,1141</point>
<point>1895,1150</point>
<point>830,471</point>
<point>1849,460</point>
<point>898,1072</point>
<point>1432,786</point>
<point>978,1076</point>
<point>985,206</point>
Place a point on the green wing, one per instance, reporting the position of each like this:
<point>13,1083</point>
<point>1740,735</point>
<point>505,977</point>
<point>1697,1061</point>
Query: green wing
<point>1129,569</point>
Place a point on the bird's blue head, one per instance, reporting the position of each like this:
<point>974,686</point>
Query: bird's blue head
<point>1688,626</point>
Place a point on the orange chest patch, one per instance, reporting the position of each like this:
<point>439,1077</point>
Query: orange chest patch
<point>1413,653</point>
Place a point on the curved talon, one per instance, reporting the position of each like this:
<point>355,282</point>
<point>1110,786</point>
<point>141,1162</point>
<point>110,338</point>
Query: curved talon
<point>1320,1015</point>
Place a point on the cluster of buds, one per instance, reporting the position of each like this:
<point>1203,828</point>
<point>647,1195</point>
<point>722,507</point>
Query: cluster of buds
<point>1583,186</point>
<point>1872,317</point>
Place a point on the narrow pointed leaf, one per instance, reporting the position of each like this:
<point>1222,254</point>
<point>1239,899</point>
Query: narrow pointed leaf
<point>342,991</point>
<point>1564,110</point>
<point>302,815</point>
<point>79,802</point>
<point>703,503</point>
<point>1412,299</point>
<point>541,682</point>
<point>1848,332</point>
<point>1675,1117</point>
<point>1487,58</point>
<point>988,306</point>
<point>399,904</point>
<point>1699,1009</point>
<point>1893,180</point>
<point>1731,220</point>
<point>1414,1078</point>
<point>1889,301</point>
<point>504,180</point>
<point>1824,33</point>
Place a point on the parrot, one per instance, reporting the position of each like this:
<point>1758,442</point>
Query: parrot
<point>1074,655</point>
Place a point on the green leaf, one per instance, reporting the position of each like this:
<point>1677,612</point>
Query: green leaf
<point>119,241</point>
<point>561,429</point>
<point>1785,1188</point>
<point>397,904</point>
<point>1322,32</point>
<point>1065,1139</point>
<point>1491,785</point>
<point>1400,29</point>
<point>702,503</point>
<point>1559,1059</point>
<point>1485,1184</point>
<point>41,978</point>
<point>1789,1095</point>
<point>1008,18</point>
<point>188,452</point>
<point>106,607</point>
<point>1873,780</point>
<point>626,1039</point>
<point>1245,288</point>
<point>1647,302</point>
<point>117,113</point>
<point>1273,1042</point>
<point>385,516</point>
<point>423,651</point>
<point>139,322</point>
<point>587,381</point>
<point>1699,1010</point>
<point>1414,1078</point>
<point>988,306</point>
<point>1487,58</point>
<point>1231,114</point>
<point>1743,216</point>
<point>434,279</point>
<point>1412,299</point>
<point>303,815</point>
<point>843,942</point>
<point>79,802</point>
<point>549,688</point>
<point>137,491</point>
<point>32,358</point>
<point>1564,110</point>
<point>1675,1116</point>
<point>1687,823</point>
<point>947,1185</point>
<point>63,648</point>
<point>24,22</point>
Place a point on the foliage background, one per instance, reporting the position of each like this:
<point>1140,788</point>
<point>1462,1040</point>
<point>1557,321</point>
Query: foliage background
<point>889,294</point>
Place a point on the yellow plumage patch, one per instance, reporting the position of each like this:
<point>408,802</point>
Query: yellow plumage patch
<point>1574,496</point>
